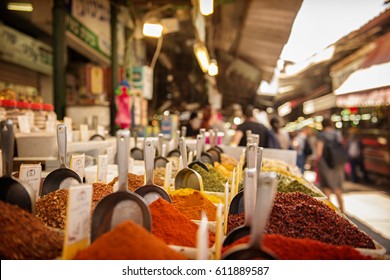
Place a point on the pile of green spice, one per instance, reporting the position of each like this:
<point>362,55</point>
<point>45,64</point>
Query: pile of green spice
<point>213,181</point>
<point>287,185</point>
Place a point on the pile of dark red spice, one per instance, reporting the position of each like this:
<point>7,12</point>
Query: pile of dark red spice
<point>299,215</point>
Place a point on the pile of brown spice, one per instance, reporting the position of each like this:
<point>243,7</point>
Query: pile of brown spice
<point>134,181</point>
<point>51,208</point>
<point>193,204</point>
<point>24,237</point>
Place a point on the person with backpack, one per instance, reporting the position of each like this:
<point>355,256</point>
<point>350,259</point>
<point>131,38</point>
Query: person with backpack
<point>302,146</point>
<point>331,157</point>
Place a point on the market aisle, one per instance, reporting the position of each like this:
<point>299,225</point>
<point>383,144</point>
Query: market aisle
<point>369,209</point>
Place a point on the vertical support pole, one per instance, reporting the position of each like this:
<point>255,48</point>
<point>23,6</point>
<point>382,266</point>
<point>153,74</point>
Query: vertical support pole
<point>114,65</point>
<point>59,53</point>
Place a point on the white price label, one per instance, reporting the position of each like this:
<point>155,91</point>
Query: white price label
<point>77,164</point>
<point>24,124</point>
<point>110,155</point>
<point>102,168</point>
<point>31,174</point>
<point>78,220</point>
<point>100,130</point>
<point>168,176</point>
<point>84,133</point>
<point>131,165</point>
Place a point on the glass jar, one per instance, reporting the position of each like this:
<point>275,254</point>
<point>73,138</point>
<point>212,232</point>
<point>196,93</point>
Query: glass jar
<point>11,109</point>
<point>39,115</point>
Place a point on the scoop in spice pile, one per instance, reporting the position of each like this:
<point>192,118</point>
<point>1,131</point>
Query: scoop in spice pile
<point>128,241</point>
<point>286,248</point>
<point>172,226</point>
<point>213,181</point>
<point>24,237</point>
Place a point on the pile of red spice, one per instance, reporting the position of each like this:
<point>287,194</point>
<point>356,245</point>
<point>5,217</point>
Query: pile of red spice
<point>172,226</point>
<point>128,241</point>
<point>299,215</point>
<point>287,248</point>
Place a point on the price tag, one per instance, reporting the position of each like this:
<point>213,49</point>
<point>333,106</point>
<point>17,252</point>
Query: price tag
<point>168,176</point>
<point>181,165</point>
<point>131,165</point>
<point>102,168</point>
<point>110,155</point>
<point>78,220</point>
<point>50,126</point>
<point>31,174</point>
<point>84,133</point>
<point>100,130</point>
<point>218,232</point>
<point>77,164</point>
<point>226,209</point>
<point>68,122</point>
<point>24,124</point>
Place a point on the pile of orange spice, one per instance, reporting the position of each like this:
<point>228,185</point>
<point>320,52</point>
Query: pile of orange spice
<point>128,241</point>
<point>173,227</point>
<point>193,204</point>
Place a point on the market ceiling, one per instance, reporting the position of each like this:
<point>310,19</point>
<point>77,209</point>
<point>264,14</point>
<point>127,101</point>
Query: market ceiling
<point>246,38</point>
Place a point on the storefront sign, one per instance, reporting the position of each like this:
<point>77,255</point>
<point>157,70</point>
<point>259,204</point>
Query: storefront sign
<point>379,97</point>
<point>24,50</point>
<point>143,80</point>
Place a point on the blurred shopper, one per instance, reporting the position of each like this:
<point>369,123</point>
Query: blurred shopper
<point>193,125</point>
<point>330,178</point>
<point>279,139</point>
<point>216,122</point>
<point>251,124</point>
<point>355,154</point>
<point>302,146</point>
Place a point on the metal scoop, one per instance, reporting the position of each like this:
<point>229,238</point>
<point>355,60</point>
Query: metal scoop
<point>136,153</point>
<point>250,156</point>
<point>206,156</point>
<point>187,178</point>
<point>151,192</point>
<point>198,159</point>
<point>62,177</point>
<point>249,206</point>
<point>160,160</point>
<point>122,205</point>
<point>214,151</point>
<point>175,152</point>
<point>12,190</point>
<point>266,189</point>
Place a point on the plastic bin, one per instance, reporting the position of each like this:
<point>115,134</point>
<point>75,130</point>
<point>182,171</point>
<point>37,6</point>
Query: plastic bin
<point>36,144</point>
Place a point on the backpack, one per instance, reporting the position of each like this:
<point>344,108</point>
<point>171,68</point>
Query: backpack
<point>307,150</point>
<point>334,153</point>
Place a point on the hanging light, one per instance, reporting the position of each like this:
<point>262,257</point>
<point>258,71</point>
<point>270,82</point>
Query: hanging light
<point>213,68</point>
<point>20,7</point>
<point>202,56</point>
<point>152,29</point>
<point>206,7</point>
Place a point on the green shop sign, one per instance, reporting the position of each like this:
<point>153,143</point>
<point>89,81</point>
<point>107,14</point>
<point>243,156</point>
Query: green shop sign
<point>84,34</point>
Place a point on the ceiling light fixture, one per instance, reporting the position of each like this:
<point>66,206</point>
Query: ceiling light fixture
<point>206,7</point>
<point>213,68</point>
<point>20,7</point>
<point>152,30</point>
<point>202,56</point>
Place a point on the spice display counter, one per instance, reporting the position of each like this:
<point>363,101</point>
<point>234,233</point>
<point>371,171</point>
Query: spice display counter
<point>301,218</point>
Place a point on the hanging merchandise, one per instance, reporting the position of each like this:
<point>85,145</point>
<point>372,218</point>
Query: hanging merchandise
<point>123,105</point>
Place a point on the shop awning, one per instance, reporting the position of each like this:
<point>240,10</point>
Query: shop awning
<point>376,76</point>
